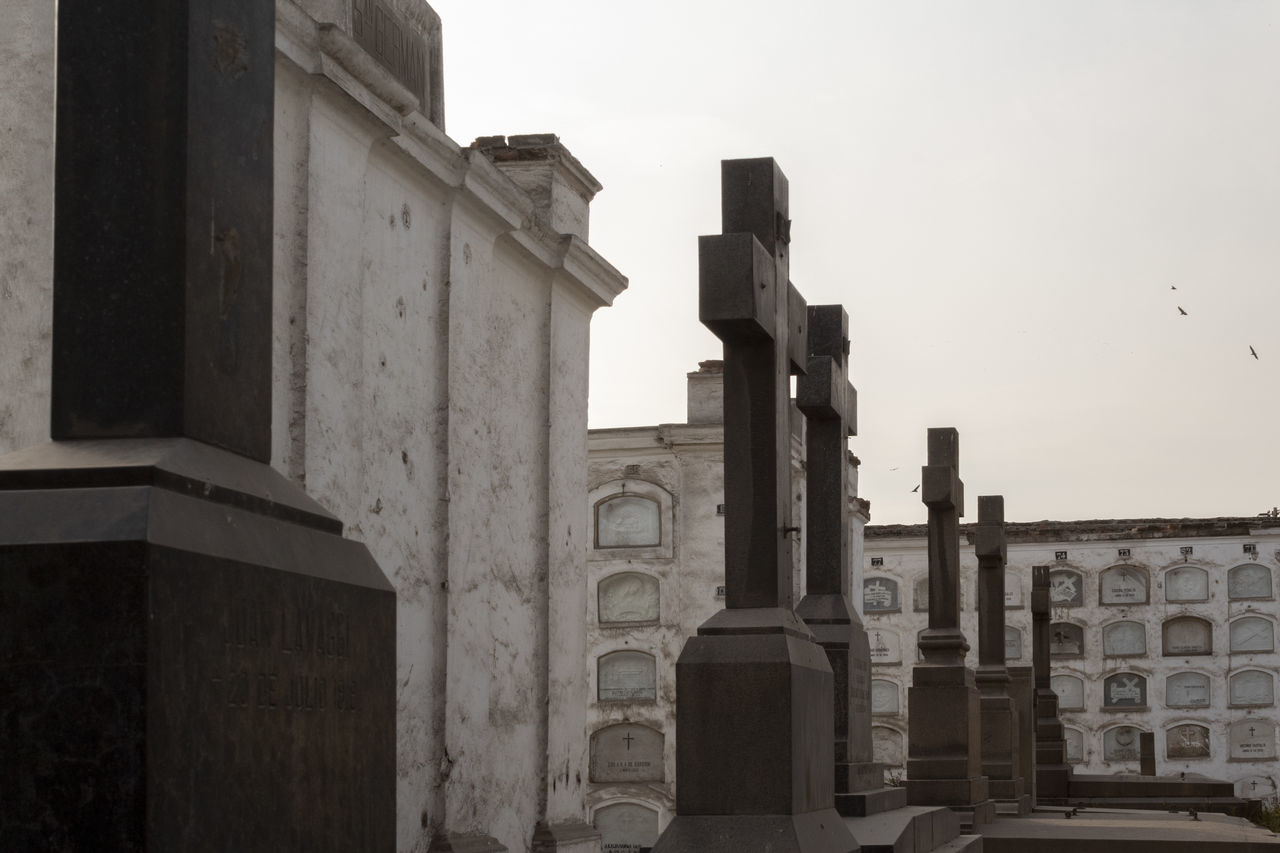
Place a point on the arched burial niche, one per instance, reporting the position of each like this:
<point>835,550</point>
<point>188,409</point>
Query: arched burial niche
<point>627,752</point>
<point>880,595</point>
<point>1066,640</point>
<point>1187,635</point>
<point>1187,690</point>
<point>1066,588</point>
<point>885,696</point>
<point>626,676</point>
<point>1124,639</point>
<point>886,746</point>
<point>626,827</point>
<point>1188,740</point>
<point>628,597</point>
<point>1012,643</point>
<point>886,648</point>
<point>628,521</point>
<point>1070,692</point>
<point>1252,634</point>
<point>1123,585</point>
<point>1120,743</point>
<point>1075,744</point>
<point>1252,739</point>
<point>1251,688</point>
<point>1186,583</point>
<point>1249,581</point>
<point>1124,690</point>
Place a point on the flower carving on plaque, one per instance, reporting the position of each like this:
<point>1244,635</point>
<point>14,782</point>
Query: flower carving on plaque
<point>1186,583</point>
<point>1249,581</point>
<point>628,597</point>
<point>628,521</point>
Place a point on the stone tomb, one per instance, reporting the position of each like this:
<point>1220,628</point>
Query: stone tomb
<point>1253,739</point>
<point>627,753</point>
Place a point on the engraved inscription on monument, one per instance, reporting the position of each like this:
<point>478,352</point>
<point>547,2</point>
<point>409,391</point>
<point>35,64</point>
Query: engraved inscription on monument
<point>1251,634</point>
<point>1012,590</point>
<point>1066,640</point>
<point>1012,643</point>
<point>1252,687</point>
<point>1249,581</point>
<point>1187,690</point>
<point>1124,639</point>
<point>1253,739</point>
<point>382,32</point>
<point>626,828</point>
<point>1120,744</point>
<point>1124,690</point>
<point>1187,741</point>
<point>1188,635</point>
<point>879,595</point>
<point>627,753</point>
<point>1186,583</point>
<point>628,521</point>
<point>885,646</point>
<point>627,676</point>
<point>628,597</point>
<point>884,696</point>
<point>1066,589</point>
<point>1070,692</point>
<point>1123,585</point>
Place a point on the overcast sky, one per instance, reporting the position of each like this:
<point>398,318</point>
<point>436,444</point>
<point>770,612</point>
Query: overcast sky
<point>1003,196</point>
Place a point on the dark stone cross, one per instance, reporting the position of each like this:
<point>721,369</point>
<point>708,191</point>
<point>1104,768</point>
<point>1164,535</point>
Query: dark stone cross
<point>1053,775</point>
<point>153,570</point>
<point>943,493</point>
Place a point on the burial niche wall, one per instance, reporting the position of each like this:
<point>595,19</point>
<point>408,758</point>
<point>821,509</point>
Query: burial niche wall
<point>1187,635</point>
<point>886,646</point>
<point>1066,588</point>
<point>1124,639</point>
<point>1070,690</point>
<point>631,519</point>
<point>1249,581</point>
<point>880,595</point>
<point>1121,585</point>
<point>885,697</point>
<point>1187,690</point>
<point>1120,743</point>
<point>1251,634</point>
<point>1252,739</point>
<point>626,676</point>
<point>626,827</point>
<point>1186,740</point>
<point>1186,583</point>
<point>1124,690</point>
<point>627,752</point>
<point>1012,643</point>
<point>1066,640</point>
<point>1251,688</point>
<point>628,597</point>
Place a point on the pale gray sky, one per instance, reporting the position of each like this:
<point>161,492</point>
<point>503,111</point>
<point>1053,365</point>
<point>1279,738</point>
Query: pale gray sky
<point>1002,195</point>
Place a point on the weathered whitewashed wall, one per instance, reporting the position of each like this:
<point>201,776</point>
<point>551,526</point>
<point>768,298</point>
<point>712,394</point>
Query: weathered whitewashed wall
<point>432,308</point>
<point>1153,548</point>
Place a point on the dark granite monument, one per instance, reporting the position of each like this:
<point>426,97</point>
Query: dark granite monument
<point>754,693</point>
<point>944,761</point>
<point>1053,775</point>
<point>829,403</point>
<point>1000,722</point>
<point>194,657</point>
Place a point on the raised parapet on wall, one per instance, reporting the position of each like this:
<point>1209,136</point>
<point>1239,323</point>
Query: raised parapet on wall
<point>560,186</point>
<point>706,393</point>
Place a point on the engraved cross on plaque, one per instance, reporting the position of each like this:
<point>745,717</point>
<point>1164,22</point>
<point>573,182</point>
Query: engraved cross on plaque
<point>747,300</point>
<point>943,493</point>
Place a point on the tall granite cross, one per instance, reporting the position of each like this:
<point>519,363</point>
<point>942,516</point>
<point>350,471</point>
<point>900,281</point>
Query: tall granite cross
<point>754,693</point>
<point>1053,774</point>
<point>197,656</point>
<point>943,493</point>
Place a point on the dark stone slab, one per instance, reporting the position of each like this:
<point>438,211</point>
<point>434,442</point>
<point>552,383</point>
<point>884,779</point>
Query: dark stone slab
<point>870,801</point>
<point>823,830</point>
<point>1052,774</point>
<point>1147,753</point>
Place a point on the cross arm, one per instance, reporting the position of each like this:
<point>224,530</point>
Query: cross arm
<point>824,393</point>
<point>990,541</point>
<point>736,281</point>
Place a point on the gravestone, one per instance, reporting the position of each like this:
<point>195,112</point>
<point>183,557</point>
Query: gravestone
<point>1124,639</point>
<point>1123,585</point>
<point>627,752</point>
<point>1069,690</point>
<point>1187,635</point>
<point>829,404</point>
<point>1053,776</point>
<point>195,657</point>
<point>1252,687</point>
<point>1124,690</point>
<point>886,648</point>
<point>944,761</point>
<point>1066,640</point>
<point>1253,739</point>
<point>1000,723</point>
<point>1251,634</point>
<point>880,595</point>
<point>884,697</point>
<point>1186,583</point>
<point>626,828</point>
<point>754,692</point>
<point>628,521</point>
<point>627,677</point>
<point>1121,743</point>
<point>1249,581</point>
<point>1187,741</point>
<point>1066,589</point>
<point>1187,690</point>
<point>628,597</point>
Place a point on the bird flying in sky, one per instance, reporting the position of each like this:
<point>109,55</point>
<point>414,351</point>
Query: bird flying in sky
<point>1180,311</point>
<point>916,489</point>
<point>1253,352</point>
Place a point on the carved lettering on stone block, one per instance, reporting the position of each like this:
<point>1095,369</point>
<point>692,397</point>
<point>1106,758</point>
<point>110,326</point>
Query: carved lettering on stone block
<point>627,676</point>
<point>1186,583</point>
<point>1249,581</point>
<point>627,753</point>
<point>1124,639</point>
<point>628,521</point>
<point>1252,687</point>
<point>1123,585</point>
<point>885,646</point>
<point>628,597</point>
<point>1252,634</point>
<point>1012,590</point>
<point>1187,690</point>
<point>1187,741</point>
<point>626,827</point>
<point>1188,635</point>
<point>1120,744</point>
<point>1066,589</point>
<point>1075,745</point>
<point>1012,643</point>
<point>886,746</point>
<point>1066,640</point>
<point>380,30</point>
<point>884,696</point>
<point>1070,692</point>
<point>879,595</point>
<point>1253,739</point>
<point>920,595</point>
<point>1124,690</point>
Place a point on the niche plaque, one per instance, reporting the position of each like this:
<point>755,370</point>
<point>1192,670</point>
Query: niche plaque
<point>1075,745</point>
<point>1252,687</point>
<point>885,646</point>
<point>1124,639</point>
<point>1070,692</point>
<point>1253,739</point>
<point>879,595</point>
<point>1124,690</point>
<point>1066,589</point>
<point>1187,690</point>
<point>884,696</point>
<point>628,597</point>
<point>1249,581</point>
<point>627,753</point>
<point>1251,634</point>
<point>920,595</point>
<point>1012,643</point>
<point>627,676</point>
<point>628,521</point>
<point>1120,744</point>
<point>1186,583</point>
<point>1012,590</point>
<point>1123,585</point>
<point>1187,741</point>
<point>1188,635</point>
<point>1066,640</point>
<point>627,828</point>
<point>886,746</point>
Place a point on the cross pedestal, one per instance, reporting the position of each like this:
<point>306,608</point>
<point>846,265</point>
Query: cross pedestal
<point>1000,723</point>
<point>754,693</point>
<point>1053,774</point>
<point>944,761</point>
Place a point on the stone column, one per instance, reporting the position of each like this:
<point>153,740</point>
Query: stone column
<point>1022,689</point>
<point>1000,724</point>
<point>1053,775</point>
<point>944,761</point>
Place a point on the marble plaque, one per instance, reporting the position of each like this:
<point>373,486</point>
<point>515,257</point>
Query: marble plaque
<point>627,753</point>
<point>1120,744</point>
<point>920,595</point>
<point>1186,583</point>
<point>628,597</point>
<point>1256,788</point>
<point>1249,581</point>
<point>628,521</point>
<point>1124,639</point>
<point>1188,635</point>
<point>1066,589</point>
<point>879,595</point>
<point>1012,643</point>
<point>626,828</point>
<point>1187,690</point>
<point>886,746</point>
<point>1253,739</point>
<point>884,697</point>
<point>627,676</point>
<point>1070,692</point>
<point>885,646</point>
<point>1252,687</point>
<point>1012,590</point>
<point>1124,690</point>
<point>1123,585</point>
<point>1075,745</point>
<point>1187,741</point>
<point>1066,640</point>
<point>1252,634</point>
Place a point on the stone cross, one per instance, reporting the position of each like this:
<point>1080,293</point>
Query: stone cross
<point>1053,776</point>
<point>746,299</point>
<point>992,552</point>
<point>1040,624</point>
<point>943,493</point>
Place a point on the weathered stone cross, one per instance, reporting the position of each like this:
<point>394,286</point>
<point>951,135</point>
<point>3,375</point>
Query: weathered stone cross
<point>943,493</point>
